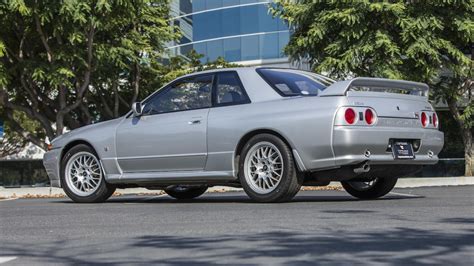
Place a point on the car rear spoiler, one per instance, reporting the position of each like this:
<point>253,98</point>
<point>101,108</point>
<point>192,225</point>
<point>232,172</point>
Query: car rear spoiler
<point>378,85</point>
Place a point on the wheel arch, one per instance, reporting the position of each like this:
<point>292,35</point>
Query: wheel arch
<point>74,143</point>
<point>245,138</point>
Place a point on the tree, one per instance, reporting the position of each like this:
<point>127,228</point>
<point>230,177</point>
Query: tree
<point>15,140</point>
<point>55,56</point>
<point>426,41</point>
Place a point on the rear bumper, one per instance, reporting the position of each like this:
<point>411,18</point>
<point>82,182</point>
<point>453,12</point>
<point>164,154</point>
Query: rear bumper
<point>51,164</point>
<point>350,145</point>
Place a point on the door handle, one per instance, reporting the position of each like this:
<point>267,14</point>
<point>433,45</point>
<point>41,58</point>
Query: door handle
<point>194,122</point>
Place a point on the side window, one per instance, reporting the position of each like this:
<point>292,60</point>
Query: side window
<point>229,90</point>
<point>186,94</point>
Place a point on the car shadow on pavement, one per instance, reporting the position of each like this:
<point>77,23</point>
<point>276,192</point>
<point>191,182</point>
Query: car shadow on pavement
<point>396,246</point>
<point>236,197</point>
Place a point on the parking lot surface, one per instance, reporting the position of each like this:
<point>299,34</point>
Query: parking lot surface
<point>409,226</point>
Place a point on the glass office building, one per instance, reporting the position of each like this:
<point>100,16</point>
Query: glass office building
<point>237,30</point>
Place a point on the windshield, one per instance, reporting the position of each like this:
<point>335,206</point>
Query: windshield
<point>289,82</point>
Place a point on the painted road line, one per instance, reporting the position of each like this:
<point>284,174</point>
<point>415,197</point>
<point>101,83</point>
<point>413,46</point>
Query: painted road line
<point>7,259</point>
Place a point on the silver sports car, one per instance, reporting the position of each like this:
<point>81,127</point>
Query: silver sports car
<point>267,130</point>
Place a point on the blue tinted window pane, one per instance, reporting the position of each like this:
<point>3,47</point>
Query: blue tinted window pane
<point>210,4</point>
<point>198,5</point>
<point>248,1</point>
<point>214,50</point>
<point>266,20</point>
<point>231,3</point>
<point>185,6</point>
<point>201,48</point>
<point>269,46</point>
<point>185,49</point>
<point>250,48</point>
<point>230,21</point>
<point>249,19</point>
<point>232,51</point>
<point>199,25</point>
<point>233,21</point>
<point>207,25</point>
<point>283,39</point>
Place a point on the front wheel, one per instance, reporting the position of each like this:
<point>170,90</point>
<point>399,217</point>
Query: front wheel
<point>372,189</point>
<point>82,177</point>
<point>185,192</point>
<point>267,170</point>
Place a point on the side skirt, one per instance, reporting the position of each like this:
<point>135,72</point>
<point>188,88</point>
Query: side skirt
<point>172,177</point>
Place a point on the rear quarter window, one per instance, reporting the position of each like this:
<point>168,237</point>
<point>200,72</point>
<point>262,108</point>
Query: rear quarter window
<point>294,82</point>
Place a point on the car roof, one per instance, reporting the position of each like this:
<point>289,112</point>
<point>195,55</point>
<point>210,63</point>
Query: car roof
<point>238,69</point>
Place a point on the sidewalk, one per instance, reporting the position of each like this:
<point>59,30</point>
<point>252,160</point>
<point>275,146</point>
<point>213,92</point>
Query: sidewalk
<point>47,192</point>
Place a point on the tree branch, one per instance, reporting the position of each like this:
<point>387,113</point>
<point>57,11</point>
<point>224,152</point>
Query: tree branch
<point>43,38</point>
<point>136,83</point>
<point>24,133</point>
<point>32,113</point>
<point>82,89</point>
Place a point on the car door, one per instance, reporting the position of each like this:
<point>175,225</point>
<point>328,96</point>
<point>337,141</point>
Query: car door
<point>229,100</point>
<point>171,133</point>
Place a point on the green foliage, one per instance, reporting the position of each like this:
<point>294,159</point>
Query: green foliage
<point>396,39</point>
<point>65,64</point>
<point>58,57</point>
<point>426,41</point>
<point>13,141</point>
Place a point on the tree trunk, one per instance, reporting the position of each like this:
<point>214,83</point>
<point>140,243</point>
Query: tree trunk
<point>468,151</point>
<point>466,134</point>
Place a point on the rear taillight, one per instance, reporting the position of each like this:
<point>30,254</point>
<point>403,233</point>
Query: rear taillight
<point>424,119</point>
<point>350,116</point>
<point>369,117</point>
<point>435,120</point>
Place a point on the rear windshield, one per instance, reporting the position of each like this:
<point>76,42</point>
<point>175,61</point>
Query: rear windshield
<point>294,82</point>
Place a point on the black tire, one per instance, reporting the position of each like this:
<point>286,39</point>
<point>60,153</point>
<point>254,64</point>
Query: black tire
<point>104,189</point>
<point>380,188</point>
<point>290,181</point>
<point>185,193</point>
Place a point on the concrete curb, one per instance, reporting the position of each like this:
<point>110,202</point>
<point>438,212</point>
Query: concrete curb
<point>39,192</point>
<point>435,182</point>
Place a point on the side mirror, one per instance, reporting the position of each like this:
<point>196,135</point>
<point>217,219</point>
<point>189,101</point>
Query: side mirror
<point>137,109</point>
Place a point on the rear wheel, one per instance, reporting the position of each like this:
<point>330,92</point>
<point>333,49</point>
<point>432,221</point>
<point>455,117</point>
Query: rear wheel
<point>267,170</point>
<point>185,192</point>
<point>372,189</point>
<point>82,177</point>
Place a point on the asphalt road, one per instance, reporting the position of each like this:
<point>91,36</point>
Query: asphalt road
<point>413,226</point>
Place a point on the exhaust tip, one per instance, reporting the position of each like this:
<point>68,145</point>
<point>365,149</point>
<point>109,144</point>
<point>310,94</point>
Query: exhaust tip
<point>430,154</point>
<point>362,169</point>
<point>366,167</point>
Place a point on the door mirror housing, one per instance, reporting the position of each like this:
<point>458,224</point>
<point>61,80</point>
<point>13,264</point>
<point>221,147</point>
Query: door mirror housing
<point>137,109</point>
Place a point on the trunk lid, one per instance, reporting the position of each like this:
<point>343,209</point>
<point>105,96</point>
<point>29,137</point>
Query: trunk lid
<point>389,98</point>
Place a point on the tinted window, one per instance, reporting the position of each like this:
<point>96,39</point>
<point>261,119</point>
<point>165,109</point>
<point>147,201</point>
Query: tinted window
<point>293,83</point>
<point>229,90</point>
<point>249,48</point>
<point>186,94</point>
